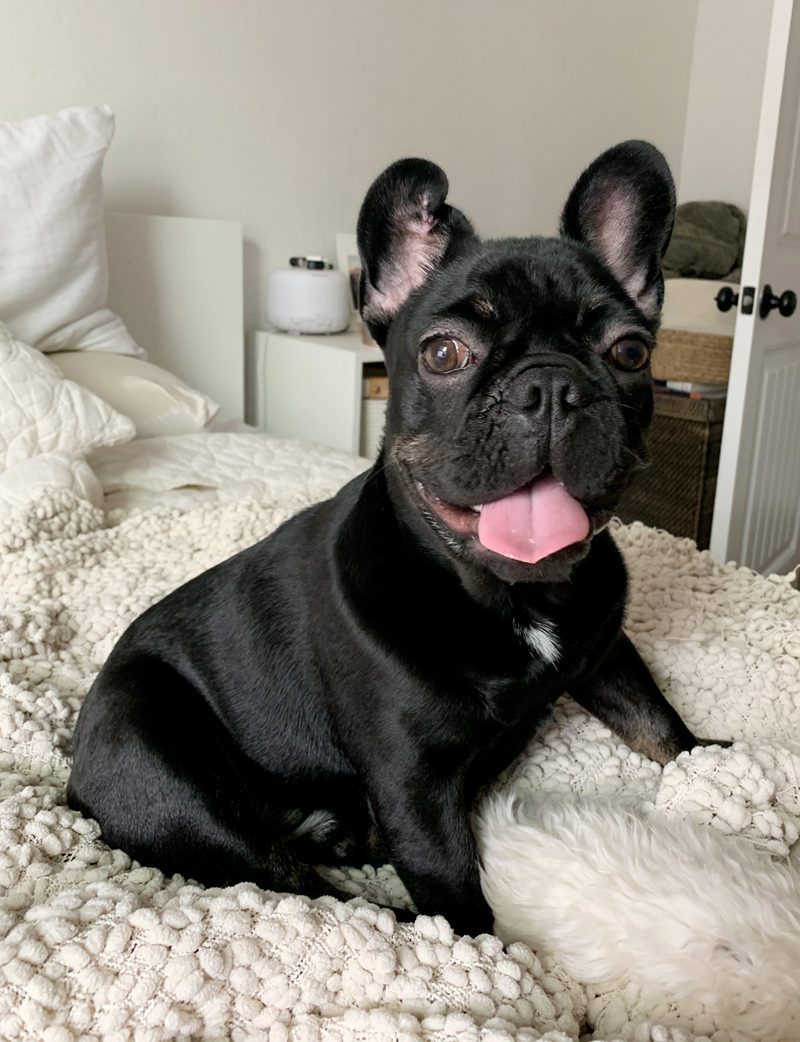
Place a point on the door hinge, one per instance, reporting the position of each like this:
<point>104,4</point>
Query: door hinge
<point>748,299</point>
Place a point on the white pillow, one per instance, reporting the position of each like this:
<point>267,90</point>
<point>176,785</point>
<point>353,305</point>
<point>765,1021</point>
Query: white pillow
<point>157,402</point>
<point>53,264</point>
<point>49,471</point>
<point>40,411</point>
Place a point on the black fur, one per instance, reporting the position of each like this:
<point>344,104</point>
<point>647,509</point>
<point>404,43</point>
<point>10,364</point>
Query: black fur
<point>339,691</point>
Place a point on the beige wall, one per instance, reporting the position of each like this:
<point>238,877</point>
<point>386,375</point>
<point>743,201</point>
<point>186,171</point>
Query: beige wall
<point>728,65</point>
<point>279,112</point>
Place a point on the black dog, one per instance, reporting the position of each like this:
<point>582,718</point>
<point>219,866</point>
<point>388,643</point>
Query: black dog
<point>339,691</point>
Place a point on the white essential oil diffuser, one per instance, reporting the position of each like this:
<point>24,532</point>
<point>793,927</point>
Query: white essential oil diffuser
<point>308,297</point>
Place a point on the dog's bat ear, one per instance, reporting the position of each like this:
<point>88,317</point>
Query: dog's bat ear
<point>623,208</point>
<point>406,230</point>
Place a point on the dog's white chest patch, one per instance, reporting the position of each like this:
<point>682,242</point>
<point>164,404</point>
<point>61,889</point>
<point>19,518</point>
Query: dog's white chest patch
<point>541,638</point>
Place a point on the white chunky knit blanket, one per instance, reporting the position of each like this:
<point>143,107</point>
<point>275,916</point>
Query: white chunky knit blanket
<point>95,947</point>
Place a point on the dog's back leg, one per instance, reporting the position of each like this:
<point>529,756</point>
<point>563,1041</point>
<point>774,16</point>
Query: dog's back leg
<point>157,770</point>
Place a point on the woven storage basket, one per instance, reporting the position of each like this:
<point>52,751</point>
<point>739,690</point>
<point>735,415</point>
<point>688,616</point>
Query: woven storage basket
<point>703,358</point>
<point>676,491</point>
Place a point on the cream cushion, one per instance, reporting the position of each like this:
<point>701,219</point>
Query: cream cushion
<point>41,412</point>
<point>156,401</point>
<point>53,264</point>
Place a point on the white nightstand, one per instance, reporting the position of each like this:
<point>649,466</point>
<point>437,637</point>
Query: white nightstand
<point>308,387</point>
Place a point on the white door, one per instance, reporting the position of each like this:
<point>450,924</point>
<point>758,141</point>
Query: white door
<point>757,506</point>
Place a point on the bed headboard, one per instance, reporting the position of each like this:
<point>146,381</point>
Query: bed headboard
<point>177,284</point>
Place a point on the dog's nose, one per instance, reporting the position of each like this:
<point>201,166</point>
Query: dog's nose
<point>543,390</point>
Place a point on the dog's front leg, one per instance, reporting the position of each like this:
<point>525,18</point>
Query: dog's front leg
<point>425,824</point>
<point>622,694</point>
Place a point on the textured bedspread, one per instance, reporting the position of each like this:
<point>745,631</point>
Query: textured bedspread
<point>93,946</point>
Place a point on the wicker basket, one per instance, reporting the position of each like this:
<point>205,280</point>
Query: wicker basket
<point>703,358</point>
<point>676,491</point>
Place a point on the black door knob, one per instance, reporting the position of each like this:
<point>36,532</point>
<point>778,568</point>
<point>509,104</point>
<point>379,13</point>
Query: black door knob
<point>785,303</point>
<point>726,298</point>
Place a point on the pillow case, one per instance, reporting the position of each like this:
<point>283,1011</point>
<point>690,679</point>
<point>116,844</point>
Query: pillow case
<point>157,402</point>
<point>42,412</point>
<point>53,264</point>
<point>49,471</point>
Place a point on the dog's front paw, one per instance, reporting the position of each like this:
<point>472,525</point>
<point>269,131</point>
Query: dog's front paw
<point>472,922</point>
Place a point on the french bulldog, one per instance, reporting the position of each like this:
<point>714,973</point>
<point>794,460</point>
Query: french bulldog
<point>339,692</point>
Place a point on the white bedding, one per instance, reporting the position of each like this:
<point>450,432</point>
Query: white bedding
<point>49,471</point>
<point>95,947</point>
<point>55,433</point>
<point>182,471</point>
<point>126,954</point>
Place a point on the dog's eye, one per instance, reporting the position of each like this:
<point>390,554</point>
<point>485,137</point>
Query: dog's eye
<point>629,355</point>
<point>446,355</point>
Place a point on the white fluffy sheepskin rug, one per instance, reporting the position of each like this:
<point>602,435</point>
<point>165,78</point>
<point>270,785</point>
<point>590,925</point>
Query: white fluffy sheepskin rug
<point>670,911</point>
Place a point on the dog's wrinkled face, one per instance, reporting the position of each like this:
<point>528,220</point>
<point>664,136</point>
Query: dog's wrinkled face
<point>519,369</point>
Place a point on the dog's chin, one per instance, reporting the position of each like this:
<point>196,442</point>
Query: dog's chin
<point>457,528</point>
<point>554,568</point>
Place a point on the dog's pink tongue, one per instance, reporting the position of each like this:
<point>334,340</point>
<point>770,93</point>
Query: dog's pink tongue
<point>533,522</point>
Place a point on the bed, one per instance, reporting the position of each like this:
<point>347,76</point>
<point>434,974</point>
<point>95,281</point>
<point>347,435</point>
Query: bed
<point>93,946</point>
